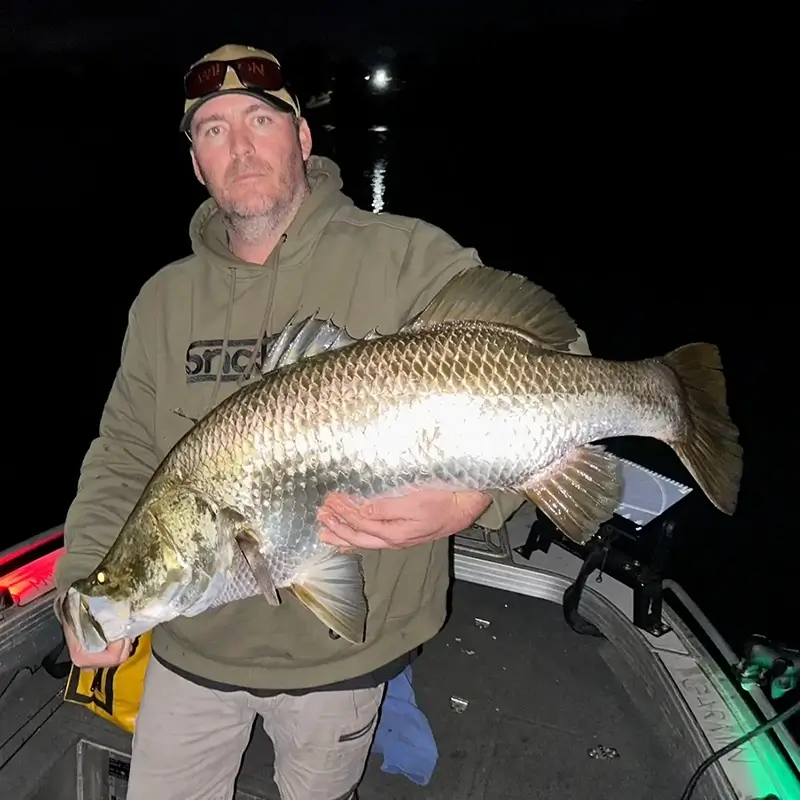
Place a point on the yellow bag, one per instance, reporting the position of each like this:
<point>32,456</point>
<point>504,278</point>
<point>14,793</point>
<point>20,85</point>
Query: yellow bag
<point>113,693</point>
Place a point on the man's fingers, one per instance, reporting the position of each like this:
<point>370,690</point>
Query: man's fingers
<point>329,537</point>
<point>120,648</point>
<point>340,500</point>
<point>114,655</point>
<point>381,509</point>
<point>342,535</point>
<point>365,541</point>
<point>93,660</point>
<point>342,506</point>
<point>334,514</point>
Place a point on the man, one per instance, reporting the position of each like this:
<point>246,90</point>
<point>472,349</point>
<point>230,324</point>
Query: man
<point>277,236</point>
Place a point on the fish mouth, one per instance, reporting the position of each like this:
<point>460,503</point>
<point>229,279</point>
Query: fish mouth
<point>78,616</point>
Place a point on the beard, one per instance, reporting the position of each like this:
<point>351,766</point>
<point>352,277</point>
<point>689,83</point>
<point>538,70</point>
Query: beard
<point>252,213</point>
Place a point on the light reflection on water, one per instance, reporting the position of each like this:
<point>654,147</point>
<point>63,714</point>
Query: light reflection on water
<point>378,184</point>
<point>379,167</point>
<point>373,160</point>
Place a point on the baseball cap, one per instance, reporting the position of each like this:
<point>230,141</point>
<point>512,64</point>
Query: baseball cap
<point>236,68</point>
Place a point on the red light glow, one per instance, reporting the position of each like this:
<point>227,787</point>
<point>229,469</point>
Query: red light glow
<point>31,580</point>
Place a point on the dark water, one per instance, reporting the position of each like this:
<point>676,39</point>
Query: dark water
<point>624,193</point>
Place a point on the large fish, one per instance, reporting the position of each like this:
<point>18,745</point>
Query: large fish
<point>478,392</point>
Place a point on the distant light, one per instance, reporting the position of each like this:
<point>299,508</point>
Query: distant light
<point>379,78</point>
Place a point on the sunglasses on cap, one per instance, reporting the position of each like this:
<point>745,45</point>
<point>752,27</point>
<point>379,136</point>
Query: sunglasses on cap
<point>254,72</point>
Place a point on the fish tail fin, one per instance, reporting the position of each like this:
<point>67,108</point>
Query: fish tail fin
<point>485,294</point>
<point>709,447</point>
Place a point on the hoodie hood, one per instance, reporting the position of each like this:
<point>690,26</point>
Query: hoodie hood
<point>210,244</point>
<point>210,239</point>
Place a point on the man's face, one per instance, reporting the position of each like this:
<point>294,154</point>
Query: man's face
<point>250,156</point>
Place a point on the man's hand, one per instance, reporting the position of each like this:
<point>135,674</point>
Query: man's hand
<point>112,656</point>
<point>395,522</point>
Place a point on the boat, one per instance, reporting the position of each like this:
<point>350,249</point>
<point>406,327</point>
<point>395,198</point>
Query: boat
<point>319,100</point>
<point>542,683</point>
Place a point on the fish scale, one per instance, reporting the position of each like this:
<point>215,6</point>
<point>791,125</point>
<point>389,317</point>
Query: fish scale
<point>496,421</point>
<point>479,392</point>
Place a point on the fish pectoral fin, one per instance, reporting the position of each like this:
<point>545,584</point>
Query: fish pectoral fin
<point>579,492</point>
<point>333,590</point>
<point>234,525</point>
<point>248,545</point>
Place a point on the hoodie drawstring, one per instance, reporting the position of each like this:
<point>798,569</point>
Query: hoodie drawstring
<point>265,321</point>
<point>228,317</point>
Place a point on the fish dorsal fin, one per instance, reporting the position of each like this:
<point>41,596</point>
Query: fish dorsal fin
<point>479,294</point>
<point>304,338</point>
<point>484,294</point>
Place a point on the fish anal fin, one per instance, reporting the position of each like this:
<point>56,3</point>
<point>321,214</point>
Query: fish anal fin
<point>484,294</point>
<point>579,492</point>
<point>235,526</point>
<point>333,590</point>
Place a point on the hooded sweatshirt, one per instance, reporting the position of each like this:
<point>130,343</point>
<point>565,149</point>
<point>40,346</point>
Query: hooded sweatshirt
<point>196,333</point>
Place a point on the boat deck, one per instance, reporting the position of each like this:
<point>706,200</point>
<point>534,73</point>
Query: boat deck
<point>519,704</point>
<point>538,698</point>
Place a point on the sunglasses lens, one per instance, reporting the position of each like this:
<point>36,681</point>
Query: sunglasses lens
<point>204,79</point>
<point>259,73</point>
<point>254,73</point>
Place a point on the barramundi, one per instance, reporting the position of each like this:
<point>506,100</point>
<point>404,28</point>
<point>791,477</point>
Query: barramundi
<point>478,392</point>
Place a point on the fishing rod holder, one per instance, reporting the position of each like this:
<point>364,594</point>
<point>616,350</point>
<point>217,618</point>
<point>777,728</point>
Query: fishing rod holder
<point>603,554</point>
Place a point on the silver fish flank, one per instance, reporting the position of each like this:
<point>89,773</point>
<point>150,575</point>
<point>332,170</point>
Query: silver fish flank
<point>479,391</point>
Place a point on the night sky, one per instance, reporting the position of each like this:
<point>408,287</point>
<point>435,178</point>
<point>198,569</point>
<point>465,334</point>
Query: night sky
<point>352,23</point>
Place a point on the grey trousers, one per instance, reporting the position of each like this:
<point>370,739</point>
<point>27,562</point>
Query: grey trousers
<point>189,740</point>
